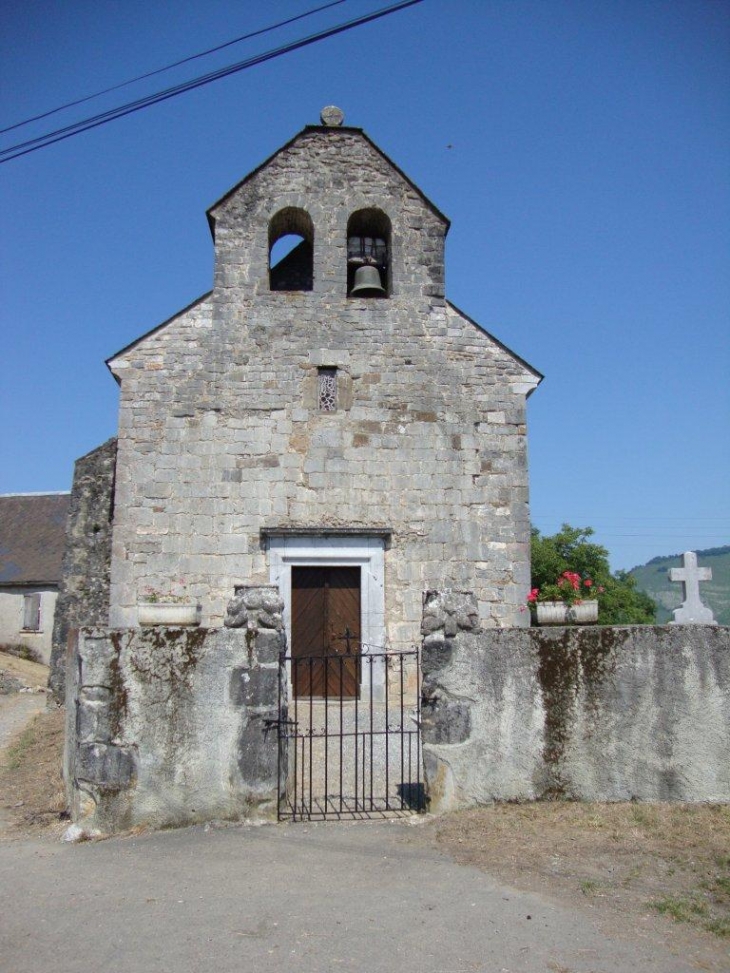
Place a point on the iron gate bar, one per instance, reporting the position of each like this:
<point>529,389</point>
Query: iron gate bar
<point>382,732</point>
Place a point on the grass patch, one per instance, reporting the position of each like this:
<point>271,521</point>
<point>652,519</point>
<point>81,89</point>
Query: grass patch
<point>18,750</point>
<point>720,927</point>
<point>617,856</point>
<point>589,887</point>
<point>679,909</point>
<point>21,651</point>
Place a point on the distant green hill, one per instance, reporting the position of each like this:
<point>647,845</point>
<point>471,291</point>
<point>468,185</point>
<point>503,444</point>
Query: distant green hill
<point>653,578</point>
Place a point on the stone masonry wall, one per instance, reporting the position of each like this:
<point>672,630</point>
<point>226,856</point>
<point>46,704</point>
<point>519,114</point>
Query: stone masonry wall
<point>169,726</point>
<point>601,714</point>
<point>220,432</point>
<point>83,596</point>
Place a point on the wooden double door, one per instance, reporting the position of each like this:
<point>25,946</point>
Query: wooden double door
<point>325,621</point>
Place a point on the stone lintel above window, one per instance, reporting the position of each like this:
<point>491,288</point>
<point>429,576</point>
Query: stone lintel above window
<point>329,358</point>
<point>384,532</point>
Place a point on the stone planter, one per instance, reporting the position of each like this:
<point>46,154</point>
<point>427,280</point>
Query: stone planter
<point>558,613</point>
<point>167,613</point>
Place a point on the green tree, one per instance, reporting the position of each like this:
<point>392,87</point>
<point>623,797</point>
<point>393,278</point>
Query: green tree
<point>571,550</point>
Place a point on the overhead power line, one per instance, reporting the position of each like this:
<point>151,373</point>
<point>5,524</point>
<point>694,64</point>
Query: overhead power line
<point>32,145</point>
<point>175,64</point>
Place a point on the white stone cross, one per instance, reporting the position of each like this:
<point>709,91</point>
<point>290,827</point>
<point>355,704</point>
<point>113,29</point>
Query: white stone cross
<point>692,611</point>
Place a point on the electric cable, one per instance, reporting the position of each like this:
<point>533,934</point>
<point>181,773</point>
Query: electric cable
<point>175,64</point>
<point>59,135</point>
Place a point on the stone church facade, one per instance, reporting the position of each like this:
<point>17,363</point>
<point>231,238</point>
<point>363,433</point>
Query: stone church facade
<point>282,420</point>
<point>323,455</point>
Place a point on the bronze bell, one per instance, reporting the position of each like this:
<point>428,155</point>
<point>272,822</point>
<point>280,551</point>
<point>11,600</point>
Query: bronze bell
<point>367,282</point>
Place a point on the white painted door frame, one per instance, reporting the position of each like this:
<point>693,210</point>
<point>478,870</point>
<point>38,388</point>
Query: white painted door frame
<point>365,551</point>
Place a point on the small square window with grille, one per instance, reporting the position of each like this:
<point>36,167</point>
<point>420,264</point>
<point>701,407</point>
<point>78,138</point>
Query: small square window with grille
<point>327,389</point>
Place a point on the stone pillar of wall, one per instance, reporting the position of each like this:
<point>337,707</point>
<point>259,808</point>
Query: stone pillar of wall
<point>170,726</point>
<point>582,712</point>
<point>445,719</point>
<point>83,595</point>
<point>256,611</point>
<point>100,762</point>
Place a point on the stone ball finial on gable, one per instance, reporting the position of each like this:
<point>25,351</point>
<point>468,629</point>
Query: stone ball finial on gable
<point>332,116</point>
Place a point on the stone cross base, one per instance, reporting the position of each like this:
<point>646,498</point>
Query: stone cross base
<point>691,615</point>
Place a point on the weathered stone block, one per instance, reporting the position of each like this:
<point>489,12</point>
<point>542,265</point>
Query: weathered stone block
<point>110,768</point>
<point>257,688</point>
<point>94,694</point>
<point>258,753</point>
<point>268,645</point>
<point>450,626</point>
<point>94,721</point>
<point>467,622</point>
<point>97,657</point>
<point>431,623</point>
<point>445,720</point>
<point>436,654</point>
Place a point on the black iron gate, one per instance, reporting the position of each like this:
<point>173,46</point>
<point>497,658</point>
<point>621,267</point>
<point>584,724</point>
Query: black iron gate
<point>345,755</point>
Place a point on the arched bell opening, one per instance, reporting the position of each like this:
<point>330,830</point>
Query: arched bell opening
<point>368,254</point>
<point>291,250</point>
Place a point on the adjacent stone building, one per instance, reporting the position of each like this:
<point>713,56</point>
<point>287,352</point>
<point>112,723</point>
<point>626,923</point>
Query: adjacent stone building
<point>327,410</point>
<point>32,527</point>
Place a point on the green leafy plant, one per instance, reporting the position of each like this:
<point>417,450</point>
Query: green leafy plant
<point>571,550</point>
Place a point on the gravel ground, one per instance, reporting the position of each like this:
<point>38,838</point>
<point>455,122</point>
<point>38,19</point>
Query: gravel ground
<point>369,896</point>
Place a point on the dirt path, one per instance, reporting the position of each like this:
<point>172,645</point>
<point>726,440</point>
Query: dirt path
<point>31,743</point>
<point>16,711</point>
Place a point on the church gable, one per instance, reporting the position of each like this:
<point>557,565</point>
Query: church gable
<point>463,332</point>
<point>356,148</point>
<point>325,392</point>
<point>170,345</point>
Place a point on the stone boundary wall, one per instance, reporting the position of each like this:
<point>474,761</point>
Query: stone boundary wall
<point>170,726</point>
<point>588,713</point>
<point>83,594</point>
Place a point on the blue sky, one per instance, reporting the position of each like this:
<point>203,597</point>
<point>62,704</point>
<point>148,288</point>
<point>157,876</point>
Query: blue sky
<point>581,150</point>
